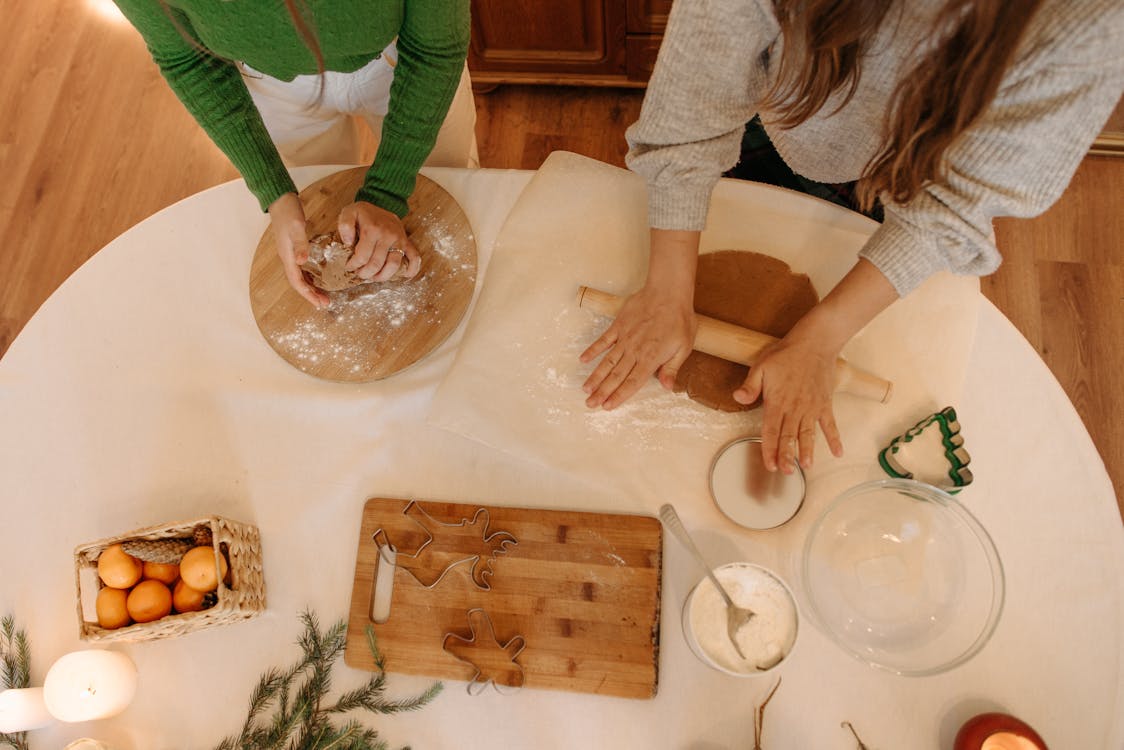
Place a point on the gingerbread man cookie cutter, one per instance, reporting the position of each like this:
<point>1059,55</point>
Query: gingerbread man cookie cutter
<point>508,675</point>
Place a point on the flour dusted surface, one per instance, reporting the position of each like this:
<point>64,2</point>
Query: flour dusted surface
<point>366,330</point>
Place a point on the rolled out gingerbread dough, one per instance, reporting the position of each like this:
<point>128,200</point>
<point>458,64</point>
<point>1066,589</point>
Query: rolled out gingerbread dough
<point>750,290</point>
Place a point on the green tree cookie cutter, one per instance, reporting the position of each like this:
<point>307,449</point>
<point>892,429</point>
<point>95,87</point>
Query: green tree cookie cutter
<point>952,443</point>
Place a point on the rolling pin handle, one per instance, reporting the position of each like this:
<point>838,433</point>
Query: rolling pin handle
<point>597,301</point>
<point>862,383</point>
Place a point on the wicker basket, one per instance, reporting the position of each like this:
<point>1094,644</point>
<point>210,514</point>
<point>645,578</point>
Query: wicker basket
<point>243,599</point>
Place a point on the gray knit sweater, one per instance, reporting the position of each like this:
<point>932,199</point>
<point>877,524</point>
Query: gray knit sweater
<point>1016,161</point>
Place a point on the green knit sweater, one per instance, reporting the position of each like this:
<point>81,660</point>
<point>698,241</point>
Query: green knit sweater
<point>432,44</point>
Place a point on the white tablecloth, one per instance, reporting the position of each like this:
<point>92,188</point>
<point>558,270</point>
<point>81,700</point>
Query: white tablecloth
<point>516,381</point>
<point>142,393</point>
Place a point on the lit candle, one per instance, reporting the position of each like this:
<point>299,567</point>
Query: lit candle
<point>996,731</point>
<point>87,685</point>
<point>22,709</point>
<point>1008,741</point>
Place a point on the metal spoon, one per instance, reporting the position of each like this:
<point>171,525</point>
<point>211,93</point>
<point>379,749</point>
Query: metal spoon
<point>735,616</point>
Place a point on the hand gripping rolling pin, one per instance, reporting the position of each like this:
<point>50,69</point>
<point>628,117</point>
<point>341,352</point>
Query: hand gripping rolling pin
<point>736,344</point>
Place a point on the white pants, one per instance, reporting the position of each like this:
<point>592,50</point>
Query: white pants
<point>308,133</point>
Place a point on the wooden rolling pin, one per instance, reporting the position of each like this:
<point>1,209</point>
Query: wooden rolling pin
<point>736,344</point>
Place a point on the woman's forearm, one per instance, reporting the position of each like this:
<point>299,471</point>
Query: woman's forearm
<point>855,301</point>
<point>673,259</point>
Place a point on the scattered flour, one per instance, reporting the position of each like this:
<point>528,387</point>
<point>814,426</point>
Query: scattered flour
<point>648,420</point>
<point>364,324</point>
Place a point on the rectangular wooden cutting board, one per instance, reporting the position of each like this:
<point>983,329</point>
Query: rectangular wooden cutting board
<point>582,591</point>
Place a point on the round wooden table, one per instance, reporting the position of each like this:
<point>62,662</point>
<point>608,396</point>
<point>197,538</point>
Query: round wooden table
<point>142,393</point>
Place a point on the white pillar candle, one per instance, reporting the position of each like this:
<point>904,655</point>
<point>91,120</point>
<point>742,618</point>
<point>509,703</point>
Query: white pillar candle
<point>22,709</point>
<point>86,685</point>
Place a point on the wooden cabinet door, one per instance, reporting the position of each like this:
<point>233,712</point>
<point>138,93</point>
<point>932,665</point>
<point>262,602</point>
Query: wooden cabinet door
<point>648,16</point>
<point>533,37</point>
<point>647,20</point>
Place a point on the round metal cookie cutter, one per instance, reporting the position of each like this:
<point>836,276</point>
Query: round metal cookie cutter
<point>747,493</point>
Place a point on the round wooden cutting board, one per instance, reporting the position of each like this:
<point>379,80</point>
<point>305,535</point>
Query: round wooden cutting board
<point>375,330</point>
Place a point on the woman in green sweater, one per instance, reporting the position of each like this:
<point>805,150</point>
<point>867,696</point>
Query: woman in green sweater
<point>277,83</point>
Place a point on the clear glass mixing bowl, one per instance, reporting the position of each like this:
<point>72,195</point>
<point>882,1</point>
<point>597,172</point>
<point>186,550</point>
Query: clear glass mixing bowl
<point>902,577</point>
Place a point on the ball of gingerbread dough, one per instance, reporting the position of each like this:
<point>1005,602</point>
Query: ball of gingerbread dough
<point>326,268</point>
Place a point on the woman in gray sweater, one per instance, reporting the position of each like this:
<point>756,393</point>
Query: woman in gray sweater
<point>948,113</point>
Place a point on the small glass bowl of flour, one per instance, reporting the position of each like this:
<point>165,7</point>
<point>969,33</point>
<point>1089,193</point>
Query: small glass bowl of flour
<point>766,640</point>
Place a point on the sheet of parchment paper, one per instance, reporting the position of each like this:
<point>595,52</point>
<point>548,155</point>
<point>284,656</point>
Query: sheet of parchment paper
<point>516,381</point>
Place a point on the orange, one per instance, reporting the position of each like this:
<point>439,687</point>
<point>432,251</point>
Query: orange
<point>112,611</point>
<point>117,568</point>
<point>186,599</point>
<point>149,600</point>
<point>197,568</point>
<point>166,573</point>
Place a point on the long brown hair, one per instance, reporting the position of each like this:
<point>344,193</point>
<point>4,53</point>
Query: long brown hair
<point>938,100</point>
<point>298,12</point>
<point>300,17</point>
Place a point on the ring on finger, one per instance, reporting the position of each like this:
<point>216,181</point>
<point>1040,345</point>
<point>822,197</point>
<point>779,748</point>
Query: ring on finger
<point>396,250</point>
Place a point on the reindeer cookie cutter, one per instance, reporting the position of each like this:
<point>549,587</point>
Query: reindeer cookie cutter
<point>481,571</point>
<point>505,674</point>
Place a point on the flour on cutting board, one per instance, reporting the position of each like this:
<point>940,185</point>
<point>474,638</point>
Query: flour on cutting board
<point>379,314</point>
<point>444,243</point>
<point>337,333</point>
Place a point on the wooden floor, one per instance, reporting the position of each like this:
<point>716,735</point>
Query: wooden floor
<point>92,142</point>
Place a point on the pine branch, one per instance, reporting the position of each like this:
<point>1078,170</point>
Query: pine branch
<point>283,697</point>
<point>305,702</point>
<point>287,716</point>
<point>17,740</point>
<point>266,690</point>
<point>411,704</point>
<point>333,643</point>
<point>351,736</point>
<point>7,634</point>
<point>285,723</point>
<point>374,702</point>
<point>23,660</point>
<point>290,675</point>
<point>369,696</point>
<point>298,722</point>
<point>310,641</point>
<point>256,740</point>
<point>15,655</point>
<point>324,650</point>
<point>360,697</point>
<point>372,643</point>
<point>311,735</point>
<point>335,640</point>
